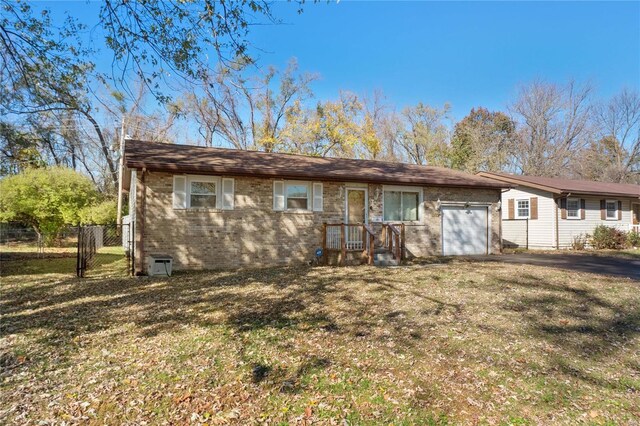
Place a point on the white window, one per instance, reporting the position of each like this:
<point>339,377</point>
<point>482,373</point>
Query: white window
<point>297,196</point>
<point>400,204</point>
<point>522,209</point>
<point>573,208</point>
<point>612,210</point>
<point>203,192</point>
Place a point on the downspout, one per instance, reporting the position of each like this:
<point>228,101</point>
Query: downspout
<point>557,220</point>
<point>502,191</point>
<point>555,200</point>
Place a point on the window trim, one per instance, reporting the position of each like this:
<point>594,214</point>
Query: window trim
<point>207,179</point>
<point>401,189</point>
<point>578,215</point>
<point>606,210</point>
<point>309,186</point>
<point>517,209</point>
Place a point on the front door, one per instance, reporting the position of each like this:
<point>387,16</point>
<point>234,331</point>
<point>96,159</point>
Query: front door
<point>356,206</point>
<point>636,214</point>
<point>356,214</point>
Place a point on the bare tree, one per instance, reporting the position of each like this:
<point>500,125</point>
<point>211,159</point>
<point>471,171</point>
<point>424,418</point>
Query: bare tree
<point>247,113</point>
<point>615,154</point>
<point>553,126</point>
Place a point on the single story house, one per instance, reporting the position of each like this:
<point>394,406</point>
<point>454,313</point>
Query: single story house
<point>213,208</point>
<point>546,213</point>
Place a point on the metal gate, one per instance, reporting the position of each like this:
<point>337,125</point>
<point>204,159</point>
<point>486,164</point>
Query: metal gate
<point>104,250</point>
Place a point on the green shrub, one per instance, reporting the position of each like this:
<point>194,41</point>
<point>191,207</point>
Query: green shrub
<point>103,213</point>
<point>607,237</point>
<point>46,199</point>
<point>633,239</point>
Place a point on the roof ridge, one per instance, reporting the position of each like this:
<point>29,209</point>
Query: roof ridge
<point>304,155</point>
<point>183,158</point>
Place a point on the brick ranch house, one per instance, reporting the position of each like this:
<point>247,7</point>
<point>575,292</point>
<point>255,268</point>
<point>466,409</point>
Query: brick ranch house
<point>214,208</point>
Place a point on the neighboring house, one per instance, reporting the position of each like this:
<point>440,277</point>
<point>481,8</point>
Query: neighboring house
<point>223,208</point>
<point>544,213</point>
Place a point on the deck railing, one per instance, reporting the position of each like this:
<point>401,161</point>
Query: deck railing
<point>349,237</point>
<point>393,239</point>
<point>357,237</point>
<point>634,228</point>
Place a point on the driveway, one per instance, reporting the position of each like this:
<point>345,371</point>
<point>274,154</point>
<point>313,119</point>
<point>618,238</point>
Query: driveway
<point>607,265</point>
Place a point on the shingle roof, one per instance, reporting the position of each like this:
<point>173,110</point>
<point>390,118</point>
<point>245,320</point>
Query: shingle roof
<point>203,160</point>
<point>565,186</point>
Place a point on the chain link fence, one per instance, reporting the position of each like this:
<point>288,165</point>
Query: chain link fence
<point>104,250</point>
<point>84,251</point>
<point>19,243</point>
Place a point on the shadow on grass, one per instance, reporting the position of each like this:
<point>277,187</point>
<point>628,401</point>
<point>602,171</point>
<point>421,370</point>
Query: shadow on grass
<point>572,317</point>
<point>307,299</point>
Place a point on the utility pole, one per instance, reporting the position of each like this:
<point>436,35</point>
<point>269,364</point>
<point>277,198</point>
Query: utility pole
<point>120,172</point>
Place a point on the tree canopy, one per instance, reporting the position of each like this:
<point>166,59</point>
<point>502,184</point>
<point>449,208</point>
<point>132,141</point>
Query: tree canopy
<point>46,199</point>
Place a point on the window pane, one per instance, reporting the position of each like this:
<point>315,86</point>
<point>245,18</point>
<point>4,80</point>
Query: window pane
<point>297,191</point>
<point>573,208</point>
<point>297,203</point>
<point>392,206</point>
<point>523,208</point>
<point>203,187</point>
<point>207,201</point>
<point>409,206</point>
<point>611,210</point>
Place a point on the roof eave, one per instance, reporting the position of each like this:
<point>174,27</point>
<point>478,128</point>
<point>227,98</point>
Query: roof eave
<point>600,194</point>
<point>519,182</point>
<point>208,170</point>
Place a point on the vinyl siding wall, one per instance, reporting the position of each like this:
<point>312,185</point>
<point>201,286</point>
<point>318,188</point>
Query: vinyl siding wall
<point>541,230</point>
<point>570,228</point>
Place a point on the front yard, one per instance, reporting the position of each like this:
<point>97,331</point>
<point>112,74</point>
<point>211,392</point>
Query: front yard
<point>459,342</point>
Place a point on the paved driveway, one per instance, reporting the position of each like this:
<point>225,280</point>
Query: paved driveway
<point>607,265</point>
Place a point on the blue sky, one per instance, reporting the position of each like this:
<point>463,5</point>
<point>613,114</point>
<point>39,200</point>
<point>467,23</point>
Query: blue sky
<point>465,53</point>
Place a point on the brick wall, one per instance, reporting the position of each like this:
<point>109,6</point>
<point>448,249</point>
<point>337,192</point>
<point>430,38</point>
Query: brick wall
<point>254,234</point>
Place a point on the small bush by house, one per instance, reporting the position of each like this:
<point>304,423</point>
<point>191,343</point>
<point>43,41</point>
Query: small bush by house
<point>607,237</point>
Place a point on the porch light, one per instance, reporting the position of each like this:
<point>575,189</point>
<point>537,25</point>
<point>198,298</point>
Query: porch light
<point>499,205</point>
<point>439,205</point>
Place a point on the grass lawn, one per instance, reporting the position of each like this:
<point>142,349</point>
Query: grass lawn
<point>459,342</point>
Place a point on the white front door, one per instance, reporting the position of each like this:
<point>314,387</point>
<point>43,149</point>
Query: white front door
<point>464,230</point>
<point>356,211</point>
<point>355,214</point>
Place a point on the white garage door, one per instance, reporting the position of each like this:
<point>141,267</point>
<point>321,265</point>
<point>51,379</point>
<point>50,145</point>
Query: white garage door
<point>464,230</point>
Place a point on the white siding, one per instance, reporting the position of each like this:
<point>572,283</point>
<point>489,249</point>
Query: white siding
<point>569,228</point>
<point>516,233</point>
<point>541,230</point>
<point>132,196</point>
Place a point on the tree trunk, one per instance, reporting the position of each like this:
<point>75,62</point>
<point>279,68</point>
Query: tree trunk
<point>105,149</point>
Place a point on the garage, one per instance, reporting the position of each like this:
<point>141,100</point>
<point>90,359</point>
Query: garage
<point>464,230</point>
